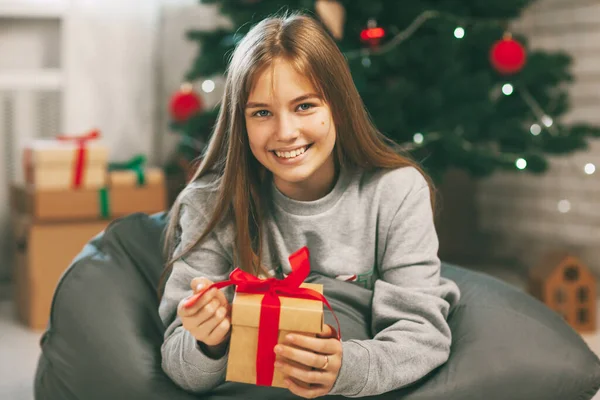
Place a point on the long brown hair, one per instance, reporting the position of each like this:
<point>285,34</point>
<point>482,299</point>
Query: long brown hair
<point>306,45</point>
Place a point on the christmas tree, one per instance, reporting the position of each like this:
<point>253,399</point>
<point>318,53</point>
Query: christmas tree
<point>446,80</point>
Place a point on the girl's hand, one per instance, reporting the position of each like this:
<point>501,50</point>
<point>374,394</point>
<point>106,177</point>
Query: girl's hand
<point>208,318</point>
<point>310,364</point>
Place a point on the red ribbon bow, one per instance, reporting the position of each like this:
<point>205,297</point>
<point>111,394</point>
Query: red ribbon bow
<point>268,328</point>
<point>81,155</point>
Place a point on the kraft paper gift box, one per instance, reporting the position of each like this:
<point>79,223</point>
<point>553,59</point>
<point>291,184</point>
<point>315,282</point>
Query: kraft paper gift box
<point>87,204</point>
<point>296,315</point>
<point>134,173</point>
<point>263,312</point>
<point>66,162</point>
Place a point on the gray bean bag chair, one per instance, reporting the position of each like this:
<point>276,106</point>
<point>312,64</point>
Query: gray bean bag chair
<point>104,335</point>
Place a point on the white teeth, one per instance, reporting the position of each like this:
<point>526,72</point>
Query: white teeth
<point>291,154</point>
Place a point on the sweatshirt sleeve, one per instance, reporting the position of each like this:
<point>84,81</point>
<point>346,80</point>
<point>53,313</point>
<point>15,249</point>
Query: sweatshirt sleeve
<point>411,303</point>
<point>182,359</point>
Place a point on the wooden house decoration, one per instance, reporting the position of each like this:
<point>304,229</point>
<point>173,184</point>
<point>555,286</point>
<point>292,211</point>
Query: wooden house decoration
<point>567,286</point>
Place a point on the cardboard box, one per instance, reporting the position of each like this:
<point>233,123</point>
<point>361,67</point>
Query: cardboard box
<point>297,315</point>
<point>87,204</point>
<point>59,178</point>
<point>42,253</point>
<point>51,164</point>
<point>129,178</point>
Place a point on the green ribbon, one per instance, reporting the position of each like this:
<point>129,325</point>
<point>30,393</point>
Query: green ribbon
<point>104,203</point>
<point>135,164</point>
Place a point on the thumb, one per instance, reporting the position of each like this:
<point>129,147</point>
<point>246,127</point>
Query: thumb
<point>328,332</point>
<point>200,284</point>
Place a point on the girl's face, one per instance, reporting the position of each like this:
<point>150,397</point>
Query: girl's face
<point>291,132</point>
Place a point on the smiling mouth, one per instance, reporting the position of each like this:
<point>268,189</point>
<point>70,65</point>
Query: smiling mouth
<point>291,154</point>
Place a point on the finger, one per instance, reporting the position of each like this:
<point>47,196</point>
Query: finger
<point>221,297</point>
<point>220,331</point>
<point>308,358</point>
<point>185,309</point>
<point>328,332</point>
<point>207,319</point>
<point>197,284</point>
<point>210,310</point>
<point>194,298</point>
<point>201,299</point>
<point>303,374</point>
<point>190,313</point>
<point>192,304</point>
<point>314,344</point>
<point>306,392</point>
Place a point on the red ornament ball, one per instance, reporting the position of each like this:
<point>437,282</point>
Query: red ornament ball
<point>185,103</point>
<point>507,56</point>
<point>372,34</point>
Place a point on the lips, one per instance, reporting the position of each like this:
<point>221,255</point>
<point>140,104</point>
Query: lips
<point>291,154</point>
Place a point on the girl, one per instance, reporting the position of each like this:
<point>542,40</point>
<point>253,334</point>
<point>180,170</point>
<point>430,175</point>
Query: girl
<point>294,160</point>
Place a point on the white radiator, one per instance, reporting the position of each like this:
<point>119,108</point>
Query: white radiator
<point>31,94</point>
<point>67,66</point>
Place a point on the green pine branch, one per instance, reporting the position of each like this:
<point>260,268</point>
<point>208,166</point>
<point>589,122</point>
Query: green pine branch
<point>431,83</point>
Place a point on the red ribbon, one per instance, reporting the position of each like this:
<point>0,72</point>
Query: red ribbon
<point>80,157</point>
<point>268,328</point>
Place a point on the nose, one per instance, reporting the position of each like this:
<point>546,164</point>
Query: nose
<point>287,129</point>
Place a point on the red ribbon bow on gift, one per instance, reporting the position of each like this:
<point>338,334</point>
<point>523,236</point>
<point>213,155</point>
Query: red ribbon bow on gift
<point>81,155</point>
<point>268,328</point>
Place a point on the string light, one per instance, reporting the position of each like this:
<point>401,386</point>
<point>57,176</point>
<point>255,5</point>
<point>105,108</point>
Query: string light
<point>589,168</point>
<point>417,22</point>
<point>564,206</point>
<point>208,86</point>
<point>507,89</point>
<point>459,32</point>
<point>399,38</point>
<point>546,120</point>
<point>419,140</point>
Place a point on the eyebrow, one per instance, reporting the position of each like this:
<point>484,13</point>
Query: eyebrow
<point>296,100</point>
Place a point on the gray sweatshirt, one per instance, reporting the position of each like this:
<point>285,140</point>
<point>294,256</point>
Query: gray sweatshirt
<point>374,229</point>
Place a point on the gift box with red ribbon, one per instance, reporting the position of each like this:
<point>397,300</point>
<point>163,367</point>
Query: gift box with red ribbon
<point>134,173</point>
<point>76,183</point>
<point>263,312</point>
<point>245,350</point>
<point>66,162</point>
